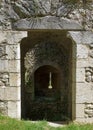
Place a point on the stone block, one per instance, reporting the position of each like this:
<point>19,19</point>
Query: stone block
<point>80,75</point>
<point>2,37</point>
<point>80,110</point>
<point>47,22</point>
<point>15,79</point>
<point>4,79</point>
<point>91,62</point>
<point>12,93</point>
<point>84,93</point>
<point>82,51</point>
<point>84,120</point>
<point>83,37</point>
<point>15,37</point>
<point>12,109</point>
<point>2,94</point>
<point>89,110</point>
<point>19,109</point>
<point>13,51</point>
<point>3,108</point>
<point>2,52</point>
<point>3,65</point>
<point>14,65</point>
<point>81,63</point>
<point>89,74</point>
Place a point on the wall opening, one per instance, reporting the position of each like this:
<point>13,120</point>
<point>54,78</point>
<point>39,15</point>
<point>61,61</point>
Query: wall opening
<point>42,53</point>
<point>46,99</point>
<point>42,79</point>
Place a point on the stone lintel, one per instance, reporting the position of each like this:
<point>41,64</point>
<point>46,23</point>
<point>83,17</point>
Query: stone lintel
<point>47,22</point>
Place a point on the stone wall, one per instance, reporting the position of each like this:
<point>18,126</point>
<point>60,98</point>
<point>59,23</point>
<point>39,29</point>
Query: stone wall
<point>31,13</point>
<point>10,73</point>
<point>50,15</point>
<point>84,87</point>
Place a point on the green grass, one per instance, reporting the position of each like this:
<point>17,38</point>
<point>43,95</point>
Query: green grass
<point>7,123</point>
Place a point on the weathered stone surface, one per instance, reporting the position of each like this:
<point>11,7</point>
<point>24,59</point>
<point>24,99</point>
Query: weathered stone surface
<point>84,93</point>
<point>89,74</point>
<point>84,120</point>
<point>47,22</point>
<point>2,94</point>
<point>82,51</point>
<point>2,37</point>
<point>4,79</point>
<point>14,65</point>
<point>12,109</point>
<point>11,11</point>
<point>90,62</point>
<point>2,84</point>
<point>84,37</point>
<point>10,93</point>
<point>2,52</point>
<point>18,109</point>
<point>47,14</point>
<point>13,51</point>
<point>11,37</point>
<point>80,75</point>
<point>80,110</point>
<point>3,107</point>
<point>82,63</point>
<point>15,79</point>
<point>88,110</point>
<point>15,37</point>
<point>3,65</point>
<point>9,67</point>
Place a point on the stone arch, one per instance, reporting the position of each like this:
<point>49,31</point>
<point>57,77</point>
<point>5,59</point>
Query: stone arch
<point>42,79</point>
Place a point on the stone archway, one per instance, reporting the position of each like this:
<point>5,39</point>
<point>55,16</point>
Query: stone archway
<point>43,76</point>
<point>47,98</point>
<point>41,53</point>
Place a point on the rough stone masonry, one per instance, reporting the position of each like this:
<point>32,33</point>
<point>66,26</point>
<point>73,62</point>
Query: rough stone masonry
<point>27,24</point>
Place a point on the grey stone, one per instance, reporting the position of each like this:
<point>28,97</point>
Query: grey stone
<point>3,107</point>
<point>46,41</point>
<point>13,52</point>
<point>3,65</point>
<point>4,79</point>
<point>48,22</point>
<point>2,84</point>
<point>89,110</point>
<point>11,11</point>
<point>84,37</point>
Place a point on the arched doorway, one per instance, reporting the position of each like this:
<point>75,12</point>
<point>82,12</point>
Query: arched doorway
<point>43,77</point>
<point>47,98</point>
<point>41,58</point>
